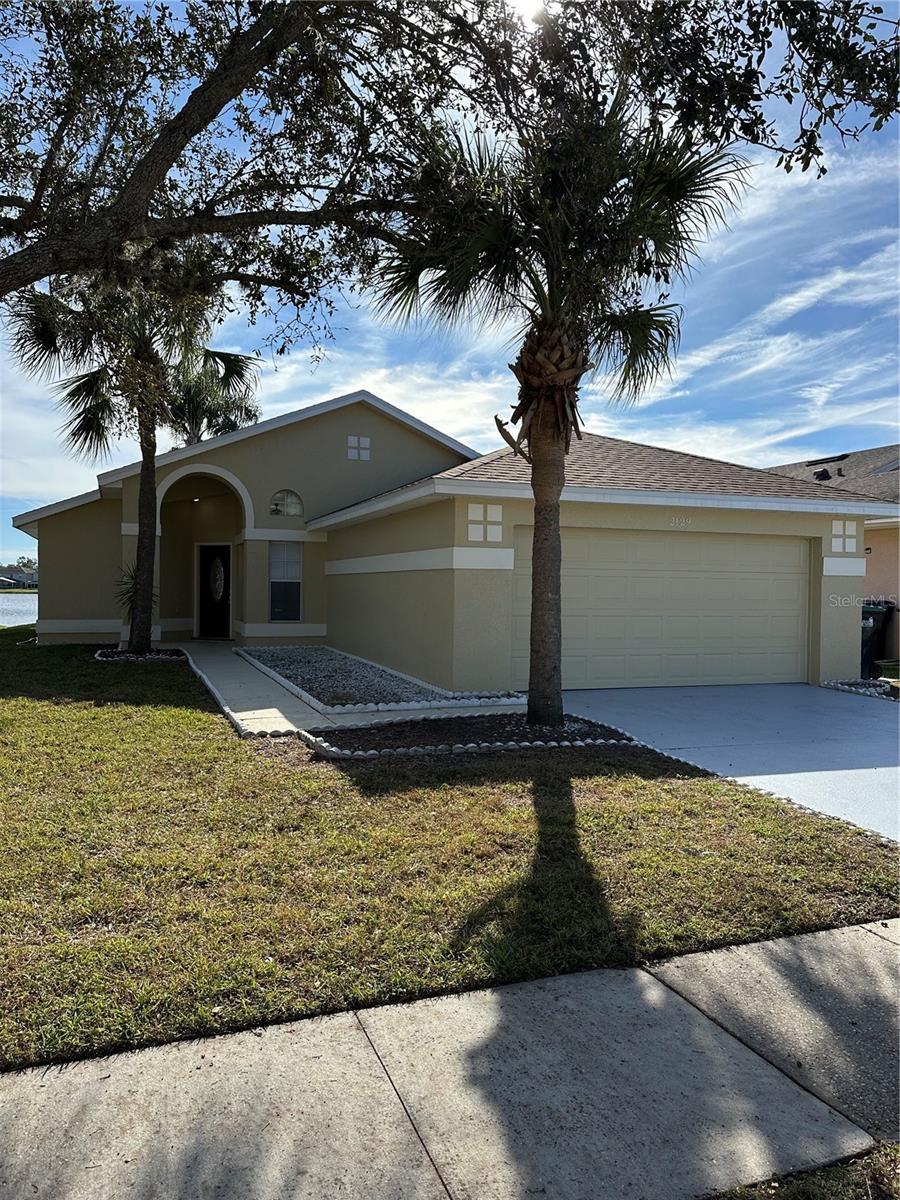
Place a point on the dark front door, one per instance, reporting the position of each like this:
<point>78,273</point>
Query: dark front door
<point>214,592</point>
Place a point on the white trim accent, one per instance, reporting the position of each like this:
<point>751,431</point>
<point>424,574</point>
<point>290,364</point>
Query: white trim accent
<point>100,625</point>
<point>476,558</point>
<point>49,510</point>
<point>131,529</point>
<point>279,629</point>
<point>446,558</point>
<point>843,566</point>
<point>292,418</point>
<point>439,486</point>
<point>206,469</point>
<point>280,535</point>
<point>883,523</point>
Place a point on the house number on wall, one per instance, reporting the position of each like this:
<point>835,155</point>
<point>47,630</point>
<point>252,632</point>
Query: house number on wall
<point>681,522</point>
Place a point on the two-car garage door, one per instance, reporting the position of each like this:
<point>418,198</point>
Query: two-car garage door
<point>649,608</point>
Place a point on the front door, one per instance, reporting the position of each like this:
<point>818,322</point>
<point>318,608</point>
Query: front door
<point>214,591</point>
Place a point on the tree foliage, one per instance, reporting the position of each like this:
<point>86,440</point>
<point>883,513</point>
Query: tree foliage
<point>270,130</point>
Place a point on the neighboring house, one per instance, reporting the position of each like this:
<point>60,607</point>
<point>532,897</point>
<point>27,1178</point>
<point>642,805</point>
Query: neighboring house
<point>5,582</point>
<point>355,524</point>
<point>874,472</point>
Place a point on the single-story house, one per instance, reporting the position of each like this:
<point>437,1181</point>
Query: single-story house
<point>354,524</point>
<point>873,472</point>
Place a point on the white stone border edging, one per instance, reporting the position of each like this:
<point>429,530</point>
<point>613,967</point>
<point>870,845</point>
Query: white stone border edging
<point>836,686</point>
<point>449,699</point>
<point>327,750</point>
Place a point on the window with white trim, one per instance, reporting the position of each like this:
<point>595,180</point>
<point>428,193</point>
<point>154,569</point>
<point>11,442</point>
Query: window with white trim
<point>359,447</point>
<point>285,576</point>
<point>285,504</point>
<point>843,537</point>
<point>485,522</point>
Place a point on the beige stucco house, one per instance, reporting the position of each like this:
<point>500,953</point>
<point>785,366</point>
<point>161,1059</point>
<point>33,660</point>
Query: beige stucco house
<point>353,524</point>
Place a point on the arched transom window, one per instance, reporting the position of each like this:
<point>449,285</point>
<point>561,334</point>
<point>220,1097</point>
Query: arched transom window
<point>285,504</point>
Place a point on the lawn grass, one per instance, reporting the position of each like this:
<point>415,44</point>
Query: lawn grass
<point>874,1176</point>
<point>160,878</point>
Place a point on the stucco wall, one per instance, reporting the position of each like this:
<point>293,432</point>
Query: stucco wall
<point>402,618</point>
<point>883,576</point>
<point>80,568</point>
<point>310,458</point>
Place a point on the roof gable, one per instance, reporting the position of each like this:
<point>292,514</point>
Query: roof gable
<point>294,418</point>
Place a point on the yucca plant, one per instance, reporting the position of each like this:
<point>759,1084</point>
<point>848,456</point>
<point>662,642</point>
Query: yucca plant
<point>133,350</point>
<point>573,234</point>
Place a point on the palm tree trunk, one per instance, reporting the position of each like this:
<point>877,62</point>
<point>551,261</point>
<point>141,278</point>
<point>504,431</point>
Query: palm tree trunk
<point>142,613</point>
<point>548,474</point>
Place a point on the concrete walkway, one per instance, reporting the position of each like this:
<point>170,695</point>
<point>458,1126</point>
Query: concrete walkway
<point>832,751</point>
<point>261,705</point>
<point>602,1084</point>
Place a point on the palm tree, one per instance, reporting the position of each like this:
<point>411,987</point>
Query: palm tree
<point>216,399</point>
<point>573,233</point>
<point>132,351</point>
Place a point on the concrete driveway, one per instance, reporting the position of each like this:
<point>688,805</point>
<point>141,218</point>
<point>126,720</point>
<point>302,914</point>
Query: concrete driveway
<point>829,750</point>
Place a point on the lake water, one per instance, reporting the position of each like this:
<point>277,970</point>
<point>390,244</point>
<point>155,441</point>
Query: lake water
<point>18,610</point>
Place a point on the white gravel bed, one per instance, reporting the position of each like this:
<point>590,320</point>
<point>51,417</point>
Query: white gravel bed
<point>878,688</point>
<point>344,683</point>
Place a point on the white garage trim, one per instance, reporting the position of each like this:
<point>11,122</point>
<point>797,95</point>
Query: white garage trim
<point>843,566</point>
<point>446,558</point>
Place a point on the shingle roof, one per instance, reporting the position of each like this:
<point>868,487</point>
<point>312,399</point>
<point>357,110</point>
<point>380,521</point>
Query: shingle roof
<point>875,471</point>
<point>604,462</point>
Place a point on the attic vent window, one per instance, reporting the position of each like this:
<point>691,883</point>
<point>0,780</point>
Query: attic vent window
<point>285,504</point>
<point>358,447</point>
<point>485,523</point>
<point>843,537</point>
<point>822,475</point>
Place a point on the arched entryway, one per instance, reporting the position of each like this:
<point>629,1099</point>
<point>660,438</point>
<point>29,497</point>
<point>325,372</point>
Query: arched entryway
<point>202,520</point>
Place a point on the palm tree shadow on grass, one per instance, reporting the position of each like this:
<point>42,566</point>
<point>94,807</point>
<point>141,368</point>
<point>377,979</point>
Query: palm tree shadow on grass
<point>557,917</point>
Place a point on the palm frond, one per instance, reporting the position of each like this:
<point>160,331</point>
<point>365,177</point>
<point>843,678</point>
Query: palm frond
<point>235,374</point>
<point>462,260</point>
<point>637,345</point>
<point>93,412</point>
<point>37,320</point>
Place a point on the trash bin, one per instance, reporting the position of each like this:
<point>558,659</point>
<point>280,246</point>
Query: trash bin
<point>874,628</point>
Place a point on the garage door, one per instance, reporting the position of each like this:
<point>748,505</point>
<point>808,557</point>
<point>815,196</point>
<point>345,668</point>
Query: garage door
<point>651,609</point>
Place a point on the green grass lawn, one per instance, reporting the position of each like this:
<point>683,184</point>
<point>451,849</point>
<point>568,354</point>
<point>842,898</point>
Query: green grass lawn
<point>875,1176</point>
<point>160,877</point>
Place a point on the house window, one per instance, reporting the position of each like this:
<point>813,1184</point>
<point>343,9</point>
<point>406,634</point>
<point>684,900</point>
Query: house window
<point>485,523</point>
<point>843,537</point>
<point>285,504</point>
<point>285,587</point>
<point>358,447</point>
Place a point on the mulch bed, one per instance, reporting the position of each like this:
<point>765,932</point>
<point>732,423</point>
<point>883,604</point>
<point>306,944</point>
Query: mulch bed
<point>464,731</point>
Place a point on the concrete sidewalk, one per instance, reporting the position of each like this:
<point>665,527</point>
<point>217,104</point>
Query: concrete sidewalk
<point>607,1083</point>
<point>261,705</point>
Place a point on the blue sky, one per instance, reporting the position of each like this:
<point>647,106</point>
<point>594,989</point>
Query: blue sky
<point>789,348</point>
